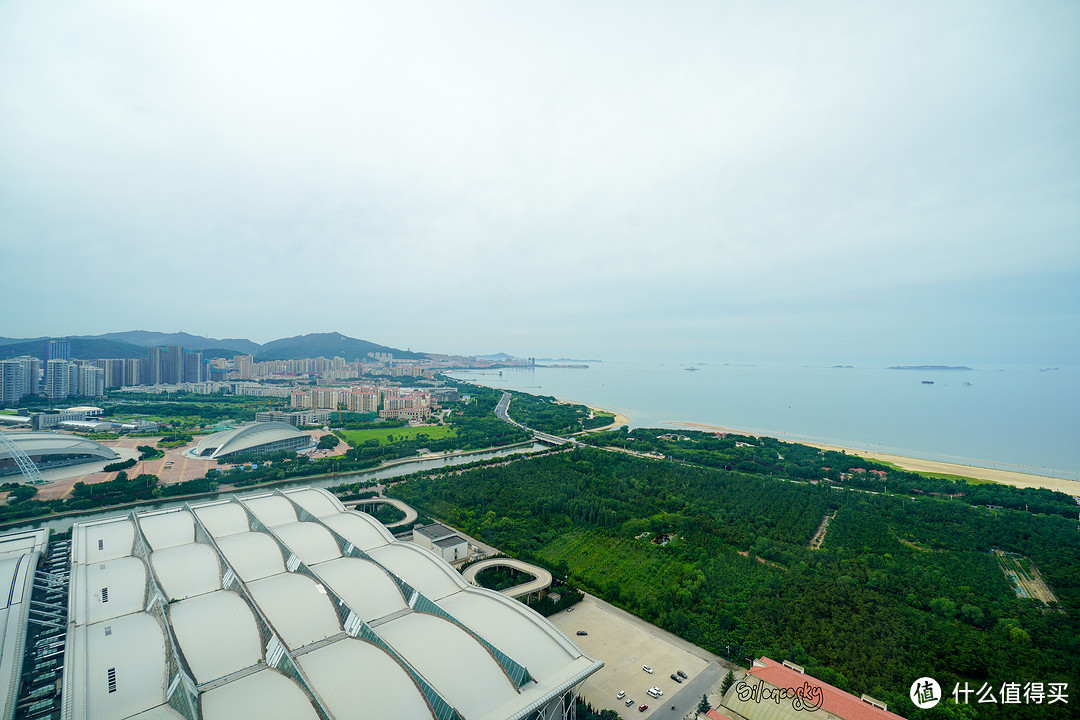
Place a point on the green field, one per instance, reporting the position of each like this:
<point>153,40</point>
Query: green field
<point>356,438</point>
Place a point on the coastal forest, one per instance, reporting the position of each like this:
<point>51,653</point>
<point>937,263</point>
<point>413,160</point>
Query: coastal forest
<point>713,543</point>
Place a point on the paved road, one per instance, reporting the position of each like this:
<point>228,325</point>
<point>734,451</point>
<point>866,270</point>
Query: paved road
<point>502,412</point>
<point>541,577</point>
<point>410,514</point>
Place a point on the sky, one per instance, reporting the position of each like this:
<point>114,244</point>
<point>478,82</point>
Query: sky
<point>826,181</point>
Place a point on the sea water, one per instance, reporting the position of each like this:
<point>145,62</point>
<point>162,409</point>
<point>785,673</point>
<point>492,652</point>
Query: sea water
<point>1007,417</point>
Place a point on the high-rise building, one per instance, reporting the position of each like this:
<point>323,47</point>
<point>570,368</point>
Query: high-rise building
<point>133,371</point>
<point>193,367</point>
<point>57,381</point>
<point>154,369</point>
<point>114,371</point>
<point>57,350</point>
<point>91,381</point>
<point>12,382</point>
<point>174,365</point>
<point>243,366</point>
<point>18,378</point>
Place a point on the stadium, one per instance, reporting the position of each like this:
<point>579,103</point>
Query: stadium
<point>257,438</point>
<point>50,450</point>
<point>287,605</point>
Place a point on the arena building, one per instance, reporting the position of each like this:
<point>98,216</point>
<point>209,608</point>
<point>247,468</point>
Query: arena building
<point>259,438</point>
<point>49,450</point>
<point>287,605</point>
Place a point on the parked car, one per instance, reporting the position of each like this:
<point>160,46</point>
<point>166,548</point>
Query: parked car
<point>582,632</point>
<point>681,674</point>
<point>642,707</point>
<point>647,669</point>
<point>657,690</point>
<point>629,702</point>
<point>621,695</point>
<point>676,678</point>
<point>652,692</point>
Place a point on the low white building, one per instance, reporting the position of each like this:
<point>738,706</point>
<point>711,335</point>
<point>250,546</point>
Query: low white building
<point>441,540</point>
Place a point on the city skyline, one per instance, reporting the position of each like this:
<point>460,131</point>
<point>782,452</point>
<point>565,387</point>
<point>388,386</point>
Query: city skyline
<point>835,183</point>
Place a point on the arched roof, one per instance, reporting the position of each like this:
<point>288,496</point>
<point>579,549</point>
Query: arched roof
<point>388,693</point>
<point>246,438</point>
<point>218,633</point>
<point>49,443</point>
<point>462,647</point>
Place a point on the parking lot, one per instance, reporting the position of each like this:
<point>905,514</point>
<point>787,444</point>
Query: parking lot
<point>625,643</point>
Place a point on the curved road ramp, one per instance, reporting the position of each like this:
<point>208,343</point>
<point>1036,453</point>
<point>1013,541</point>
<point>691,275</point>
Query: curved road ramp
<point>410,514</point>
<point>541,577</point>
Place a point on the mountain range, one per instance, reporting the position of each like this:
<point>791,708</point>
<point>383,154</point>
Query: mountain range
<point>135,343</point>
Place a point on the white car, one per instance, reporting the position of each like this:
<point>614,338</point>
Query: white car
<point>651,692</point>
<point>647,669</point>
<point>621,695</point>
<point>658,692</point>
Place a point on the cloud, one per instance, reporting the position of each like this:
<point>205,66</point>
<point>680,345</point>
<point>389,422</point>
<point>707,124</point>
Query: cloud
<point>388,168</point>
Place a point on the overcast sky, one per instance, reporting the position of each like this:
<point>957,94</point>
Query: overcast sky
<point>810,180</point>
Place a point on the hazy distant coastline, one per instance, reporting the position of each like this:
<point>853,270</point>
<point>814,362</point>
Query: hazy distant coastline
<point>929,367</point>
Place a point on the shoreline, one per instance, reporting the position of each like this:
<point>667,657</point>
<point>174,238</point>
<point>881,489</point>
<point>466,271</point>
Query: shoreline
<point>919,465</point>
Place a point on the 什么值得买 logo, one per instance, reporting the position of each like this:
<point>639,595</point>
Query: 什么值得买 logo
<point>808,697</point>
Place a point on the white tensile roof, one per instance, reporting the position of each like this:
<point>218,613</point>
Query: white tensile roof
<point>52,443</point>
<point>19,554</point>
<point>246,437</point>
<point>285,604</point>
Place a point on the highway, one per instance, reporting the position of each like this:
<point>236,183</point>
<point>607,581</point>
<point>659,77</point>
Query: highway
<point>541,577</point>
<point>410,514</point>
<point>501,412</point>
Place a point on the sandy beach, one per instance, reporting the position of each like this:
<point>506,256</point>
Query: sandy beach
<point>620,419</point>
<point>1006,477</point>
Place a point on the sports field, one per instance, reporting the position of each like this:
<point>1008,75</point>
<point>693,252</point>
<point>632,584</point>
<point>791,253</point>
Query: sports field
<point>356,438</point>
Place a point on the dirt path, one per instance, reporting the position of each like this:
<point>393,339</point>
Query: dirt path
<point>819,536</point>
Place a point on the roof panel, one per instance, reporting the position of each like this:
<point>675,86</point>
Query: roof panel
<point>187,570</point>
<point>102,541</point>
<point>266,694</point>
<point>133,647</point>
<point>297,607</point>
<point>420,568</point>
<point>462,670</point>
<point>223,519</point>
<point>252,555</point>
<point>168,529</point>
<point>365,586</point>
<point>362,530</point>
<point>108,590</point>
<point>217,633</point>
<point>272,510</point>
<point>358,681</point>
<point>310,541</point>
<point>513,628</point>
<point>316,501</point>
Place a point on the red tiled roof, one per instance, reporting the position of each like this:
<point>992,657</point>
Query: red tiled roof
<point>834,700</point>
<point>713,715</point>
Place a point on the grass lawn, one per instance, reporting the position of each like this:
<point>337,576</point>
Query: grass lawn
<point>388,436</point>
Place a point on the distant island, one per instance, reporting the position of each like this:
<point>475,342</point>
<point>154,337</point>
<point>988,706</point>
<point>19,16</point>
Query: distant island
<point>929,367</point>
